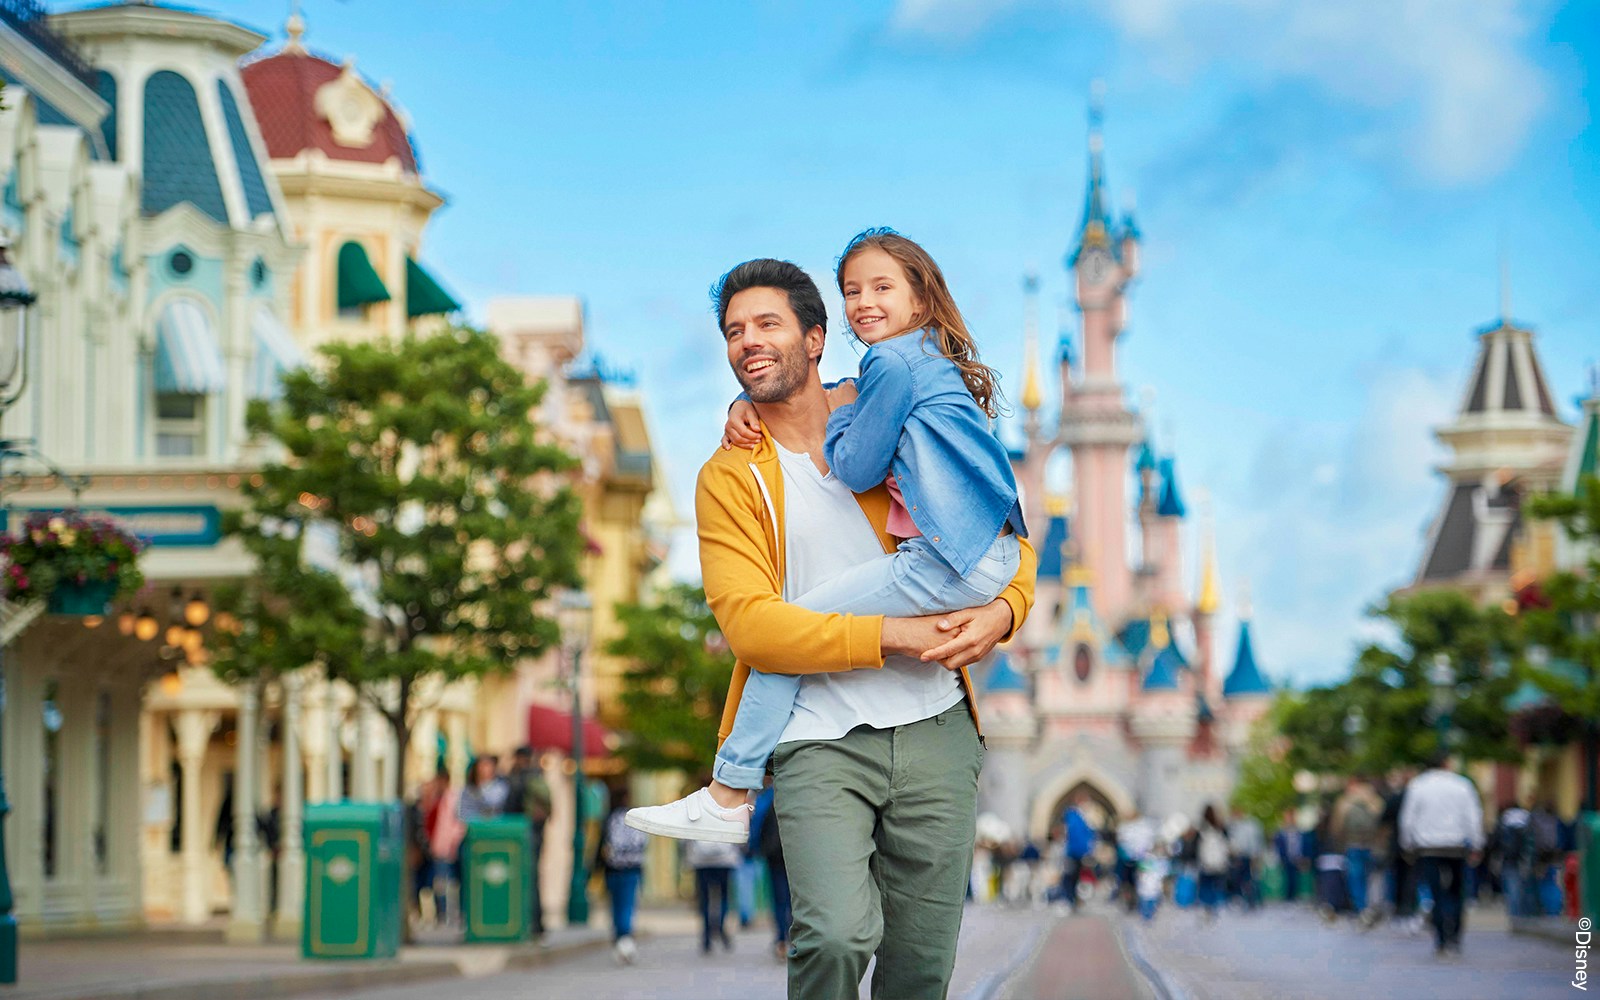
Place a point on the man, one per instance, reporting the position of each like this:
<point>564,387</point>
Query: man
<point>1080,843</point>
<point>1441,821</point>
<point>876,774</point>
<point>1246,841</point>
<point>530,796</point>
<point>1291,853</point>
<point>1356,817</point>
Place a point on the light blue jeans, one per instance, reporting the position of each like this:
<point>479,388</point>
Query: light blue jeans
<point>911,581</point>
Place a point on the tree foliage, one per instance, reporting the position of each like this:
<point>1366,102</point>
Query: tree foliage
<point>1564,615</point>
<point>675,688</point>
<point>1390,694</point>
<point>1266,777</point>
<point>418,463</point>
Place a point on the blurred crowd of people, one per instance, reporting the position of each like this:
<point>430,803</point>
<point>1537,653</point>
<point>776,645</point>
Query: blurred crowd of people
<point>1414,845</point>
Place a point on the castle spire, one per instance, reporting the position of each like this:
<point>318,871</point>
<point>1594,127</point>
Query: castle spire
<point>1210,598</point>
<point>295,28</point>
<point>1032,389</point>
<point>1097,222</point>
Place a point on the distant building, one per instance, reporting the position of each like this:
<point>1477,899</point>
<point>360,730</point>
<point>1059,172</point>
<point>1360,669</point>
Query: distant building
<point>1112,687</point>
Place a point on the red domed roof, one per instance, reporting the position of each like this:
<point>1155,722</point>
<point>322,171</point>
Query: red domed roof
<point>283,90</point>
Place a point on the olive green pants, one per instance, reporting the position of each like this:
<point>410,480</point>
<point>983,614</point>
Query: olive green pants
<point>877,838</point>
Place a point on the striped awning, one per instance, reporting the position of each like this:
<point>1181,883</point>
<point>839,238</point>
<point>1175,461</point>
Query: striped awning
<point>276,355</point>
<point>188,359</point>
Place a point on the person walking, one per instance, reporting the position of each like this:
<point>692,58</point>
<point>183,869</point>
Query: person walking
<point>766,842</point>
<point>1400,881</point>
<point>1246,842</point>
<point>530,797</point>
<point>486,792</point>
<point>1080,844</point>
<point>1212,855</point>
<point>1356,818</point>
<point>430,800</point>
<point>713,863</point>
<point>444,844</point>
<point>1441,823</point>
<point>620,855</point>
<point>1333,882</point>
<point>1289,846</point>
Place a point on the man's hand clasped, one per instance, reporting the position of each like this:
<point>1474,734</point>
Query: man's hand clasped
<point>954,640</point>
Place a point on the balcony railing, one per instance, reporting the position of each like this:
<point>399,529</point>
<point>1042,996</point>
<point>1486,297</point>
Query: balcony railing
<point>30,19</point>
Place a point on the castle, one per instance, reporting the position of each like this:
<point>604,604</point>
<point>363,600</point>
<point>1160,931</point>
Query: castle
<point>1112,687</point>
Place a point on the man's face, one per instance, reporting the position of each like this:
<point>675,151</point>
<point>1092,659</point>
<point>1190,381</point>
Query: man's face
<point>771,356</point>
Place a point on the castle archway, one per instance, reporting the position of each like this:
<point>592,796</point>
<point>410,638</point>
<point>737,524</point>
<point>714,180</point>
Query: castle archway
<point>1051,798</point>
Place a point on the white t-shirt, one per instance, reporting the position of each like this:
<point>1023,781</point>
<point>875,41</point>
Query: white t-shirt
<point>825,533</point>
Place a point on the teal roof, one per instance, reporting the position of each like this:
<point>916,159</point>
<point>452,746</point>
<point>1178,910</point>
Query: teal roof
<point>1589,458</point>
<point>1050,559</point>
<point>1170,503</point>
<point>1134,637</point>
<point>1146,458</point>
<point>178,165</point>
<point>1115,654</point>
<point>106,87</point>
<point>255,188</point>
<point>1004,677</point>
<point>1245,678</point>
<point>1130,229</point>
<point>1163,675</point>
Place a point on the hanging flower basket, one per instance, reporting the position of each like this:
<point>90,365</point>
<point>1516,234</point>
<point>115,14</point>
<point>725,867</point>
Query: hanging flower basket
<point>77,565</point>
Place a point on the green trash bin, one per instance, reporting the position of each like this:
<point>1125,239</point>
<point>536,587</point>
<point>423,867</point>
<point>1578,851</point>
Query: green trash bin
<point>1273,882</point>
<point>495,880</point>
<point>354,856</point>
<point>1589,865</point>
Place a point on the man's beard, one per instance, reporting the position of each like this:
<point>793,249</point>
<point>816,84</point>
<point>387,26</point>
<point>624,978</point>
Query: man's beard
<point>779,385</point>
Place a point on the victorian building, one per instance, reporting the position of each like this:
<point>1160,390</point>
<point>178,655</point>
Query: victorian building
<point>1113,686</point>
<point>197,217</point>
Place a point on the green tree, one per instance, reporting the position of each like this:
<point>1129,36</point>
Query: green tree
<point>1563,616</point>
<point>1266,776</point>
<point>418,462</point>
<point>673,693</point>
<point>1382,716</point>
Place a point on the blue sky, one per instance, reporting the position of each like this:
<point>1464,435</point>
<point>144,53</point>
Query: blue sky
<point>1323,190</point>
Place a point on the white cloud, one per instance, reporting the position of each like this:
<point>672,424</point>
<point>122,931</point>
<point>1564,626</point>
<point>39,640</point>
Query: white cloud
<point>1451,91</point>
<point>1332,516</point>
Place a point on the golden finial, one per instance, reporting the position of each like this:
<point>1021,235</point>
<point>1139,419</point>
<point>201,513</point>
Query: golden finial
<point>1160,638</point>
<point>1032,390</point>
<point>1210,599</point>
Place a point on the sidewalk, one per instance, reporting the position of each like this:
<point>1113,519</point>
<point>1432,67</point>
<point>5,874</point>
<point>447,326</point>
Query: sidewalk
<point>196,964</point>
<point>1080,957</point>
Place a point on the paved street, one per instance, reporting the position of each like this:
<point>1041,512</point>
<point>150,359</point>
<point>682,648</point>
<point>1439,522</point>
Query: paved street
<point>995,944</point>
<point>1288,952</point>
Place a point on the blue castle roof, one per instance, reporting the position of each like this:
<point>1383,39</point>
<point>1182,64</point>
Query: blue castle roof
<point>1134,637</point>
<point>1004,677</point>
<point>1050,559</point>
<point>1163,675</point>
<point>1170,503</point>
<point>1245,678</point>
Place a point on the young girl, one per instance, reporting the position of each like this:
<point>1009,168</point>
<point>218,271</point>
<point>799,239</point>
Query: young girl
<point>919,422</point>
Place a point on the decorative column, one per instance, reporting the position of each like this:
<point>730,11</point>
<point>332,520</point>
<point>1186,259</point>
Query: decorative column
<point>291,846</point>
<point>363,761</point>
<point>456,728</point>
<point>311,737</point>
<point>335,783</point>
<point>246,922</point>
<point>194,735</point>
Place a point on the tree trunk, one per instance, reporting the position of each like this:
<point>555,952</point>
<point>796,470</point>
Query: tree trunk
<point>401,722</point>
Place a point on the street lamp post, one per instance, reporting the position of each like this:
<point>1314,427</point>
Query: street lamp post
<point>15,298</point>
<point>1354,724</point>
<point>1442,676</point>
<point>574,616</point>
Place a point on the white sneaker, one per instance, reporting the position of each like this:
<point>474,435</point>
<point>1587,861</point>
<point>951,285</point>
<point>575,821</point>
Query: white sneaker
<point>626,950</point>
<point>694,817</point>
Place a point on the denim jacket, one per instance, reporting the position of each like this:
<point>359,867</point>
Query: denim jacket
<point>913,415</point>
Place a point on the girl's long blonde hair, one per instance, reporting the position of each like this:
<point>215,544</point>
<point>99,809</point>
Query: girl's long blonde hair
<point>939,312</point>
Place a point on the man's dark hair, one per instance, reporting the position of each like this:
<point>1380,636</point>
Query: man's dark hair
<point>764,272</point>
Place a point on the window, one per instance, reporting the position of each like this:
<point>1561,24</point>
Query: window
<point>181,262</point>
<point>258,274</point>
<point>180,425</point>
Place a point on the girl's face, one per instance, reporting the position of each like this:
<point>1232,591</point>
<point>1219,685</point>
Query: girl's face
<point>878,300</point>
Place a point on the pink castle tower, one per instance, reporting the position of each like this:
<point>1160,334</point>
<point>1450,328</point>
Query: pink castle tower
<point>1095,421</point>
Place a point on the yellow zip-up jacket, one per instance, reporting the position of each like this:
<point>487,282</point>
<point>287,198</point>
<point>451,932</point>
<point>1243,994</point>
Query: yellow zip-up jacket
<point>738,503</point>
